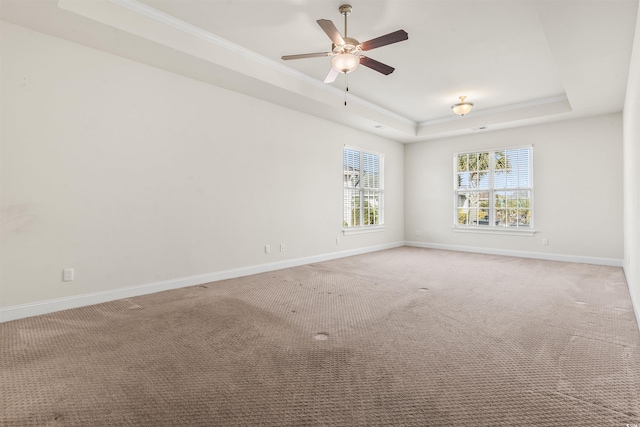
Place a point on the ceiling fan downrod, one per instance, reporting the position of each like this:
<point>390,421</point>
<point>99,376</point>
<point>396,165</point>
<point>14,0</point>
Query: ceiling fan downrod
<point>345,10</point>
<point>346,52</point>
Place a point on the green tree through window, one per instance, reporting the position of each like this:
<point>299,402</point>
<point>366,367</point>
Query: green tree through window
<point>494,188</point>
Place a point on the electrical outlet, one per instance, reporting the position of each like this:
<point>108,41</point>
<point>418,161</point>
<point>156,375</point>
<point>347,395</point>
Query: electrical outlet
<point>337,240</point>
<point>545,241</point>
<point>281,247</point>
<point>67,274</point>
<point>267,249</point>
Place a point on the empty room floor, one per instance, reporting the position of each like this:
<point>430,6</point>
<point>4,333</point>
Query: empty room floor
<point>406,336</point>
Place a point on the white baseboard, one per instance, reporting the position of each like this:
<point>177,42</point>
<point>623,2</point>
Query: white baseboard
<point>522,254</point>
<point>59,304</point>
<point>635,298</point>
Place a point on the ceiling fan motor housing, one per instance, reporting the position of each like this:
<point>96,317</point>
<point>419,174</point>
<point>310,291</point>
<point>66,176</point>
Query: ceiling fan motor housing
<point>350,45</point>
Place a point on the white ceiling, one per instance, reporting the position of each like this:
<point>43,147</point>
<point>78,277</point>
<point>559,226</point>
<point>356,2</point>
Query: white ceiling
<point>520,62</point>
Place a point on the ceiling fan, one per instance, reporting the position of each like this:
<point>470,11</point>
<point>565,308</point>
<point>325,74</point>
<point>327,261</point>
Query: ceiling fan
<point>347,52</point>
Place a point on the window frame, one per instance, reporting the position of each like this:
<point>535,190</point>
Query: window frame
<point>491,227</point>
<point>357,229</point>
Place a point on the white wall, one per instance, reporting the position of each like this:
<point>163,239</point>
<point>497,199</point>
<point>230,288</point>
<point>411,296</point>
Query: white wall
<point>631,150</point>
<point>577,190</point>
<point>134,176</point>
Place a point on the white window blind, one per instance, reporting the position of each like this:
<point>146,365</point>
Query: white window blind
<point>494,188</point>
<point>363,188</point>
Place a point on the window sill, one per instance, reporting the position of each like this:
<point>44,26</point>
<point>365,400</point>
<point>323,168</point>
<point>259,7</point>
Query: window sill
<point>496,230</point>
<point>360,230</point>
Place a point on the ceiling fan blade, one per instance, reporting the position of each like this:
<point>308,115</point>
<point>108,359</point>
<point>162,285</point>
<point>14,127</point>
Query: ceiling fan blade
<point>395,37</point>
<point>331,76</point>
<point>306,55</point>
<point>331,31</point>
<point>376,65</point>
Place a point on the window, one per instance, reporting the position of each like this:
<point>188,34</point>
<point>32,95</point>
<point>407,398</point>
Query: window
<point>363,188</point>
<point>494,188</point>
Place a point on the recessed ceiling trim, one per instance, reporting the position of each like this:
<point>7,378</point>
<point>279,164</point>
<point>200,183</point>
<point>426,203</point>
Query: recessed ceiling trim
<point>194,31</point>
<point>545,46</point>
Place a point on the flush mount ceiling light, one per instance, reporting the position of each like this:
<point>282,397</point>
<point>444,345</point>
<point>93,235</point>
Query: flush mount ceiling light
<point>462,107</point>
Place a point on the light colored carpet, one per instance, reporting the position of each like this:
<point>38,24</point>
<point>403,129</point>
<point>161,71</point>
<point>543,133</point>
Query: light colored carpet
<point>407,337</point>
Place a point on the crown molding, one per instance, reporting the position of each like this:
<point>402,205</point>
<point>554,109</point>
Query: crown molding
<point>82,8</point>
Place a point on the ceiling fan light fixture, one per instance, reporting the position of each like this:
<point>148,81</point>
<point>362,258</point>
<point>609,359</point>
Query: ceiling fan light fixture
<point>462,107</point>
<point>345,62</point>
<point>346,51</point>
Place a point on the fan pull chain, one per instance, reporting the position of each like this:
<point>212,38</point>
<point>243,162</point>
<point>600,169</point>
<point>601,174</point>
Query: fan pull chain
<point>346,87</point>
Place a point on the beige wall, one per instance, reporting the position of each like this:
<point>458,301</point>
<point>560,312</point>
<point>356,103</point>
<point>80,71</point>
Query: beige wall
<point>134,176</point>
<point>577,190</point>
